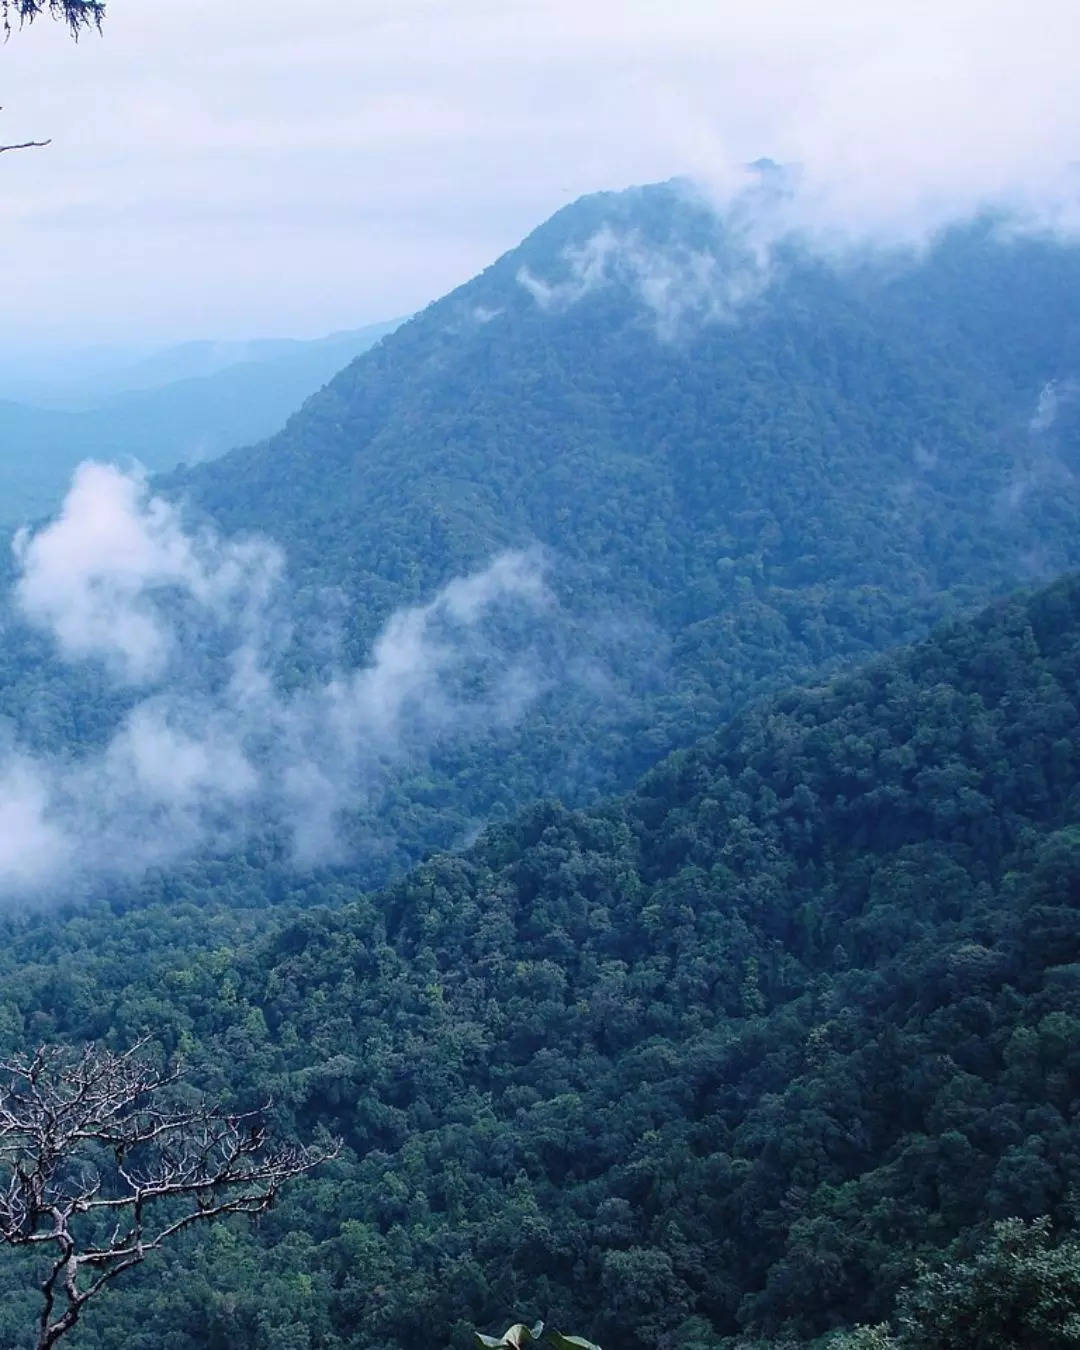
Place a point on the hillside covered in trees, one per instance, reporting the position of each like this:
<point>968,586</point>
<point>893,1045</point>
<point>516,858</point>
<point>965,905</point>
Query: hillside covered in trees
<point>726,1057</point>
<point>735,475</point>
<point>576,818</point>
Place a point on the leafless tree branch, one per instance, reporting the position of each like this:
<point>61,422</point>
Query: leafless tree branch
<point>97,1138</point>
<point>25,145</point>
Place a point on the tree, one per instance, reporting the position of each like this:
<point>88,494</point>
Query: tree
<point>1020,1288</point>
<point>101,1162</point>
<point>76,14</point>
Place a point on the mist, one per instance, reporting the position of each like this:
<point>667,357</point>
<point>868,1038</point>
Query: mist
<point>423,141</point>
<point>213,747</point>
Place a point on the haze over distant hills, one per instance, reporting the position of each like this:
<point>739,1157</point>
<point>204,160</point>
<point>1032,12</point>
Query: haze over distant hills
<point>182,404</point>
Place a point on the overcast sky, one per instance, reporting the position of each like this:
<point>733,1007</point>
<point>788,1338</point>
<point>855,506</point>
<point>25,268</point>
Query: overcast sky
<point>268,167</point>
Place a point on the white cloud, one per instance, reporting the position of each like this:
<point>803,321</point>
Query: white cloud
<point>103,576</point>
<point>1052,397</point>
<point>675,284</point>
<point>215,748</point>
<point>244,169</point>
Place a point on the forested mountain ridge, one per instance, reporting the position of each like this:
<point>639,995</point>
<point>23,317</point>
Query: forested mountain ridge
<point>739,466</point>
<point>725,1056</point>
<point>600,408</point>
<point>752,469</point>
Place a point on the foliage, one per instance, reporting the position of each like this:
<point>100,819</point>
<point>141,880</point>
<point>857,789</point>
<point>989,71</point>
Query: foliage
<point>100,1169</point>
<point>1018,1289</point>
<point>730,1057</point>
<point>723,511</point>
<point>76,14</point>
<point>519,1335</point>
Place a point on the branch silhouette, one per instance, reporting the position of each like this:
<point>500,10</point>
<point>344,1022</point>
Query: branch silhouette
<point>101,1162</point>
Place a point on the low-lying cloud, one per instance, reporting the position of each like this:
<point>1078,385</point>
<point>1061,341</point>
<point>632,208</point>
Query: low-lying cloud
<point>676,284</point>
<point>103,577</point>
<point>754,218</point>
<point>1054,395</point>
<point>211,747</point>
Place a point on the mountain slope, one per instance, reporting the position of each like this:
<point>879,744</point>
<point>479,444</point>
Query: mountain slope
<point>739,474</point>
<point>891,400</point>
<point>749,488</point>
<point>730,1054</point>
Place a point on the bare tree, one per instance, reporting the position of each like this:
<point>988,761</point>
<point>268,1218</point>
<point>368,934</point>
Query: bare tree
<point>100,1164</point>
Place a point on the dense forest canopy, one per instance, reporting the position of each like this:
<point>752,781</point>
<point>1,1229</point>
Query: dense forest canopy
<point>727,1057</point>
<point>314,875</point>
<point>725,1061</point>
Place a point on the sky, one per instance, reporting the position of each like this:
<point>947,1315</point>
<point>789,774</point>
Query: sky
<point>268,168</point>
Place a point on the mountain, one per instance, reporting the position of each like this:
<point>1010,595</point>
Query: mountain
<point>719,1062</point>
<point>200,359</point>
<point>740,464</point>
<point>728,1057</point>
<point>188,403</point>
<point>84,377</point>
<point>741,469</point>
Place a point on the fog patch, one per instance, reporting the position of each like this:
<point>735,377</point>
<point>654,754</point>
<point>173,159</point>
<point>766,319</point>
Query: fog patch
<point>103,576</point>
<point>1053,397</point>
<point>212,747</point>
<point>676,284</point>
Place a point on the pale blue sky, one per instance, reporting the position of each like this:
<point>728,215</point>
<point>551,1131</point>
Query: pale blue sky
<point>263,167</point>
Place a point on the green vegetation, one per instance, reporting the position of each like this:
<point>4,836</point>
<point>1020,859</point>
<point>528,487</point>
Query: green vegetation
<point>76,14</point>
<point>726,507</point>
<point>1019,1289</point>
<point>519,1335</point>
<point>727,1058</point>
<point>724,510</point>
<point>765,1052</point>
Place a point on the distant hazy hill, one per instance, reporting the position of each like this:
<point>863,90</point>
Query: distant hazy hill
<point>188,403</point>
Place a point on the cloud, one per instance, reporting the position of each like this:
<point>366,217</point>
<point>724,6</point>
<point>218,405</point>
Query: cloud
<point>211,747</point>
<point>423,139</point>
<point>675,283</point>
<point>102,577</point>
<point>1053,396</point>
